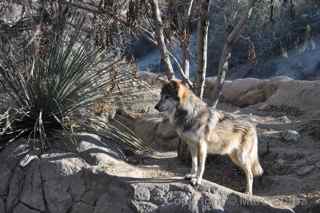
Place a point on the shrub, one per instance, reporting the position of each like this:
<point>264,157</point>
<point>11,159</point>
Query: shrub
<point>48,91</point>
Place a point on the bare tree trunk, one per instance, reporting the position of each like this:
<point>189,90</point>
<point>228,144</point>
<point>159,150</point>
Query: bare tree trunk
<point>185,40</point>
<point>202,36</point>
<point>165,56</point>
<point>232,37</point>
<point>185,57</point>
<point>183,150</point>
<point>203,25</point>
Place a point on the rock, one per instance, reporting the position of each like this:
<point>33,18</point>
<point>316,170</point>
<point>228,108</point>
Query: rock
<point>93,145</point>
<point>64,182</point>
<point>82,208</point>
<point>242,92</point>
<point>141,193</point>
<point>158,194</point>
<point>15,189</point>
<point>153,129</point>
<point>33,186</point>
<point>302,95</point>
<point>144,207</point>
<point>57,195</point>
<point>90,197</point>
<point>112,202</point>
<point>318,164</point>
<point>181,198</point>
<point>22,208</point>
<point>305,170</point>
<point>5,175</point>
<point>211,203</point>
<point>291,136</point>
<point>2,206</point>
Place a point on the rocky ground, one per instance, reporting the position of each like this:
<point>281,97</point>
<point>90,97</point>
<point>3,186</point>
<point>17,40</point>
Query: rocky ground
<point>289,153</point>
<point>99,177</point>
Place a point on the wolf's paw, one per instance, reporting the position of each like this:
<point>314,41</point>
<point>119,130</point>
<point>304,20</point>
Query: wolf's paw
<point>196,181</point>
<point>189,176</point>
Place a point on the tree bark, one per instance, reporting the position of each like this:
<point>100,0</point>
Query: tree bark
<point>185,40</point>
<point>232,37</point>
<point>202,36</point>
<point>165,56</point>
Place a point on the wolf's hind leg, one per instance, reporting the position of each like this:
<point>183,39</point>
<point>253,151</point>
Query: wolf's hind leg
<point>249,179</point>
<point>194,158</point>
<point>246,167</point>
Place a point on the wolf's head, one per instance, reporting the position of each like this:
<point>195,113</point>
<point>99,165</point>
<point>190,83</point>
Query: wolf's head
<point>173,94</point>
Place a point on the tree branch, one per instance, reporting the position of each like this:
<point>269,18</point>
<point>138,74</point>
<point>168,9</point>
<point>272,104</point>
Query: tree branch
<point>185,78</point>
<point>202,35</point>
<point>161,39</point>
<point>186,34</point>
<point>226,52</point>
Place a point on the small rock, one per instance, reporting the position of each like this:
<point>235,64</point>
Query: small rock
<point>284,119</point>
<point>141,193</point>
<point>291,136</point>
<point>158,196</point>
<point>305,170</point>
<point>144,207</point>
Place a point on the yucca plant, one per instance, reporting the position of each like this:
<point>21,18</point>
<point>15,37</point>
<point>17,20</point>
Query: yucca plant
<point>48,90</point>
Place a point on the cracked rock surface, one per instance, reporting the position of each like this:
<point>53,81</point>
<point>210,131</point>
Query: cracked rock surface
<point>64,182</point>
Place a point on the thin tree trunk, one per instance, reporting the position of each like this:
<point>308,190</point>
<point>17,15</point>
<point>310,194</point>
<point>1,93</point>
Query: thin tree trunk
<point>186,34</point>
<point>183,149</point>
<point>165,56</point>
<point>226,52</point>
<point>185,58</point>
<point>202,36</point>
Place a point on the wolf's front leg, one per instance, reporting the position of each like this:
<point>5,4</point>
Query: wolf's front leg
<point>202,155</point>
<point>193,151</point>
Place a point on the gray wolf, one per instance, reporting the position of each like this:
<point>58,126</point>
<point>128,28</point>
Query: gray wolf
<point>208,131</point>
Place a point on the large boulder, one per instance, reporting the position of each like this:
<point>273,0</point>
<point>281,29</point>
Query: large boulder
<point>243,92</point>
<point>279,93</point>
<point>63,182</point>
<point>303,95</point>
<point>153,129</point>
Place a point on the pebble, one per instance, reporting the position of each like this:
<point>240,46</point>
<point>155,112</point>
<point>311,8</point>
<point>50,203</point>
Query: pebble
<point>291,135</point>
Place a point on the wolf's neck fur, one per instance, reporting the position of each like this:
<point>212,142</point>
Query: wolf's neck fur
<point>190,113</point>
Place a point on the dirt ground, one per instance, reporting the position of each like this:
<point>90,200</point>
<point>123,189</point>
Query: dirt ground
<point>291,167</point>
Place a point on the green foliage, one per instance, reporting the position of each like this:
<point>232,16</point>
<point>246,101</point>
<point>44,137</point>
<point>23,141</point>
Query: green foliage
<point>49,90</point>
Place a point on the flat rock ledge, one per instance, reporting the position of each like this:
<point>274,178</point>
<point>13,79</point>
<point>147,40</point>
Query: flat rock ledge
<point>64,182</point>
